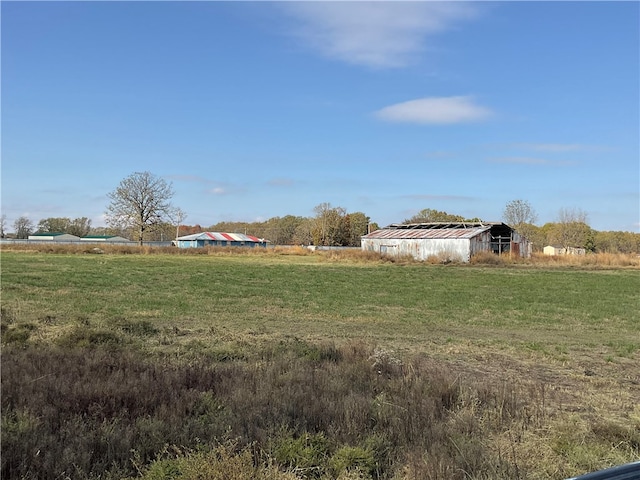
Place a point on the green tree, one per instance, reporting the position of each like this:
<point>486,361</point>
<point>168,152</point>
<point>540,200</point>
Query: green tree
<point>140,202</point>
<point>78,226</point>
<point>282,230</point>
<point>429,215</point>
<point>53,224</point>
<point>572,230</point>
<point>617,242</point>
<point>358,224</point>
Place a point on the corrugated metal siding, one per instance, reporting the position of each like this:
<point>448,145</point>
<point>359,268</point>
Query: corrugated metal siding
<point>222,237</point>
<point>219,239</point>
<point>450,241</point>
<point>420,249</point>
<point>425,234</point>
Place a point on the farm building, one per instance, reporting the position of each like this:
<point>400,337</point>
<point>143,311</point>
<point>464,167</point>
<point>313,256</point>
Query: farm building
<point>54,237</point>
<point>451,241</point>
<point>556,250</point>
<point>105,238</point>
<point>219,239</point>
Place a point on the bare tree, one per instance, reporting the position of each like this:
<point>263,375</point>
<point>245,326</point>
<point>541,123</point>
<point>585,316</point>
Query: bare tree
<point>519,212</point>
<point>521,216</point>
<point>23,227</point>
<point>328,226</point>
<point>571,229</point>
<point>3,223</point>
<point>141,201</point>
<point>178,215</point>
<point>80,226</point>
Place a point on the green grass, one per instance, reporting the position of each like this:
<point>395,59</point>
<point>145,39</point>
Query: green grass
<point>320,365</point>
<point>304,296</point>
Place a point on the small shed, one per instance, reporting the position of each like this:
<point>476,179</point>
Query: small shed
<point>54,237</point>
<point>105,239</point>
<point>219,239</point>
<point>456,241</point>
<point>557,250</point>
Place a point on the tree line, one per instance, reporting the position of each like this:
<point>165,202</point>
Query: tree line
<point>140,208</point>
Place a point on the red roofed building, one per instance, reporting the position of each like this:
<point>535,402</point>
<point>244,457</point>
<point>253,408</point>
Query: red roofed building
<point>219,239</point>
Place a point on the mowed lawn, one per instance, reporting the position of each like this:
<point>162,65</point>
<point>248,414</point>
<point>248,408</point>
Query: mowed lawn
<point>407,306</point>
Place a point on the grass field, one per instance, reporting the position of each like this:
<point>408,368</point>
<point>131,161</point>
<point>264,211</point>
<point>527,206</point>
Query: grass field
<point>561,345</point>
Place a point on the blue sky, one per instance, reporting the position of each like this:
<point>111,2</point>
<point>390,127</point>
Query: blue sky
<point>261,109</point>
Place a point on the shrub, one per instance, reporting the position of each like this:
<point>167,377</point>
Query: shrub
<point>224,462</point>
<point>353,458</point>
<point>307,454</point>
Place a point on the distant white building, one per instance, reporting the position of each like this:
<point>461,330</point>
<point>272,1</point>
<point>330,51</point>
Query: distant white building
<point>54,237</point>
<point>556,250</point>
<point>105,239</point>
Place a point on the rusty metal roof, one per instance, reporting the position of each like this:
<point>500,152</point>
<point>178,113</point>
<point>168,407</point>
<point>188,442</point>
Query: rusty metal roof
<point>431,231</point>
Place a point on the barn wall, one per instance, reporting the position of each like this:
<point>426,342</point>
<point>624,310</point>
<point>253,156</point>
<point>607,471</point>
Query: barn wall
<point>420,249</point>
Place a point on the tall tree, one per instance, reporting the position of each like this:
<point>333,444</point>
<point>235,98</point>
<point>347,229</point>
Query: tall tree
<point>79,227</point>
<point>358,224</point>
<point>329,225</point>
<point>178,215</point>
<point>281,230</point>
<point>520,215</point>
<point>23,227</point>
<point>141,202</point>
<point>53,224</point>
<point>517,212</point>
<point>303,234</point>
<point>3,223</point>
<point>429,215</point>
<point>572,230</point>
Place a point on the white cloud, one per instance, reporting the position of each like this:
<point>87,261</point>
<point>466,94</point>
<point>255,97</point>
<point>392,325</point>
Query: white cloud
<point>435,110</point>
<point>375,34</point>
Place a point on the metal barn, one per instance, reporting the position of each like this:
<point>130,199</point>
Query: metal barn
<point>54,237</point>
<point>451,241</point>
<point>105,239</point>
<point>219,239</point>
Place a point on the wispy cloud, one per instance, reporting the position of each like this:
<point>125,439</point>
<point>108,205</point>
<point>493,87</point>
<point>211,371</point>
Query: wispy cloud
<point>374,34</point>
<point>530,161</point>
<point>188,178</point>
<point>439,155</point>
<point>437,197</point>
<point>219,191</point>
<point>436,111</point>
<point>220,188</point>
<point>558,147</point>
<point>280,182</point>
